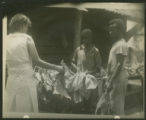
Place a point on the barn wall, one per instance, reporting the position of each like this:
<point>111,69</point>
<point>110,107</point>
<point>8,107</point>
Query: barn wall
<point>51,32</point>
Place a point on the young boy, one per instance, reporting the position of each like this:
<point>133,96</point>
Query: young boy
<point>87,59</point>
<point>116,66</point>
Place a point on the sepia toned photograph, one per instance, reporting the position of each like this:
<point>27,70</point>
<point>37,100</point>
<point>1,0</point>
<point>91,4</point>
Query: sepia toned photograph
<point>74,60</point>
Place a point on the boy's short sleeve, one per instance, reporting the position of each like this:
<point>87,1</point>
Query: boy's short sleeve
<point>122,48</point>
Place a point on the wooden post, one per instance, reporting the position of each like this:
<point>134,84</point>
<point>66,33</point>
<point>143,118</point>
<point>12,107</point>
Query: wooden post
<point>77,28</point>
<point>4,21</point>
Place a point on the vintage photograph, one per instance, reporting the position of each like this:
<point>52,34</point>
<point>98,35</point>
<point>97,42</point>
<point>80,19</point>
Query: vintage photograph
<point>74,60</point>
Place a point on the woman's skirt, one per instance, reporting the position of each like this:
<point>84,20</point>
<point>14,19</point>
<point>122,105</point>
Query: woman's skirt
<point>21,93</point>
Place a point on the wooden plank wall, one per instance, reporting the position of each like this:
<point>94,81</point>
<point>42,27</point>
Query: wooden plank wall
<point>53,33</point>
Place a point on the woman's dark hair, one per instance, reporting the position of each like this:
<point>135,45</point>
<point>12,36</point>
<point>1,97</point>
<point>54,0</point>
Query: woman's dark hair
<point>17,21</point>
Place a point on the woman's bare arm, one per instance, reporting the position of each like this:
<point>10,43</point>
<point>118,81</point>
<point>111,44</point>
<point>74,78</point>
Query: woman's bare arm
<point>37,61</point>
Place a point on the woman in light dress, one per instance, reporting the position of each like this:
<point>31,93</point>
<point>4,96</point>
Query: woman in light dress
<point>21,93</point>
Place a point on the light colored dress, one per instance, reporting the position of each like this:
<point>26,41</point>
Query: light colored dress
<point>21,93</point>
<point>118,92</point>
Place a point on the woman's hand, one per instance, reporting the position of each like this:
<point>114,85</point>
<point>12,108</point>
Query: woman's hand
<point>39,62</point>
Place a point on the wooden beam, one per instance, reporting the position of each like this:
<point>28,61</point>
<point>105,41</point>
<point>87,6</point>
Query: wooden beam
<point>4,22</point>
<point>77,29</point>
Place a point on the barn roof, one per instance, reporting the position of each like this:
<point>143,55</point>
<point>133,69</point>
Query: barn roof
<point>133,11</point>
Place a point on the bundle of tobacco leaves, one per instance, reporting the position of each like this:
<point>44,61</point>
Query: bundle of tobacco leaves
<point>52,81</point>
<point>136,70</point>
<point>103,105</point>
